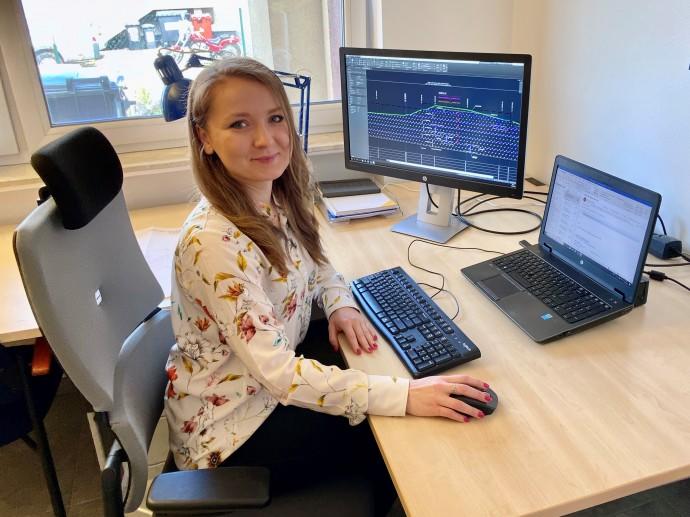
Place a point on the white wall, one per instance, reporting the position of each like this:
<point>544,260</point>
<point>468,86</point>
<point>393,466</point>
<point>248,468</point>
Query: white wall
<point>451,25</point>
<point>612,89</point>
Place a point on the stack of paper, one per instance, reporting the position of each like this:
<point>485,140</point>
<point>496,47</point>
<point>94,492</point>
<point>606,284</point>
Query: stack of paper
<point>353,207</point>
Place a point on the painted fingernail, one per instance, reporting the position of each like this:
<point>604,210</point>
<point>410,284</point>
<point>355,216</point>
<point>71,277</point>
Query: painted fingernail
<point>375,337</point>
<point>487,398</point>
<point>358,352</point>
<point>486,385</point>
<point>480,415</point>
<point>375,346</point>
<point>465,419</point>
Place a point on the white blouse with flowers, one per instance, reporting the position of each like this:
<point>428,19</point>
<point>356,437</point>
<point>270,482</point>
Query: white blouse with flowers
<point>237,322</point>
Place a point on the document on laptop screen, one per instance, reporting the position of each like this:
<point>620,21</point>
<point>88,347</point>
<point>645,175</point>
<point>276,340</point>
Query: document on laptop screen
<point>597,222</point>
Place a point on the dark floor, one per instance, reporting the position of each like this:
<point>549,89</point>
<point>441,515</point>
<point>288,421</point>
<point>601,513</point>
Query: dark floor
<point>23,491</point>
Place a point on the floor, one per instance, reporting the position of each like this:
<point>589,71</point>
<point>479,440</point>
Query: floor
<point>23,492</point>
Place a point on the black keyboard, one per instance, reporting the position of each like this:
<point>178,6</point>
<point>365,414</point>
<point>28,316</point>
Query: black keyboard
<point>422,335</point>
<point>566,297</point>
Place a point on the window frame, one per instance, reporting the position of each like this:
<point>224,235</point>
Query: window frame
<point>29,114</point>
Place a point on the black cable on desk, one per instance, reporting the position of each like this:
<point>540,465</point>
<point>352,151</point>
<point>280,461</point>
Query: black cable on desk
<point>443,278</point>
<point>660,276</point>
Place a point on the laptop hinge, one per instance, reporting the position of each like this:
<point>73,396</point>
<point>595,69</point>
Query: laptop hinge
<point>548,248</point>
<point>620,294</point>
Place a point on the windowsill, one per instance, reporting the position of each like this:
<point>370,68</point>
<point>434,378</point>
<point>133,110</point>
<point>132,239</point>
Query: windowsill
<point>159,161</point>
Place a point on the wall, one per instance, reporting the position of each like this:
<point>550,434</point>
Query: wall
<point>452,25</point>
<point>612,89</point>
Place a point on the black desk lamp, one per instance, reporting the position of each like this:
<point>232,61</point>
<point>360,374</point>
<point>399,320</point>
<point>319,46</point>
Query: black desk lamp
<point>174,98</point>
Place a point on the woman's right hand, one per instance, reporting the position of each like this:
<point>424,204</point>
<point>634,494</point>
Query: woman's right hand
<point>431,396</point>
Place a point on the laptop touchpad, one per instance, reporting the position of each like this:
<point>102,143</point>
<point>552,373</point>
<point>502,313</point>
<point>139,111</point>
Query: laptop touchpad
<point>498,287</point>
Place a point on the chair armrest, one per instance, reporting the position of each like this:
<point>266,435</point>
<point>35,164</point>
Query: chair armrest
<point>209,490</point>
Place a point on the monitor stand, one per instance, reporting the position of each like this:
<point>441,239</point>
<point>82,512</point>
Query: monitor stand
<point>431,223</point>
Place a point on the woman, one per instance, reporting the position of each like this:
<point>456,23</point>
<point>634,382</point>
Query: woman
<point>247,267</point>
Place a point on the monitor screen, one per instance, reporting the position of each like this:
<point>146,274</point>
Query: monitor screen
<point>453,119</point>
<point>598,223</point>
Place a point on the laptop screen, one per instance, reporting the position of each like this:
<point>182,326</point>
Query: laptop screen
<point>598,223</point>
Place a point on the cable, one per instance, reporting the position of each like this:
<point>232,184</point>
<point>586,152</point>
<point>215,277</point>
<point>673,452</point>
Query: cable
<point>663,226</point>
<point>684,256</point>
<point>457,304</point>
<point>443,278</point>
<point>470,211</point>
<point>669,265</point>
<point>469,248</point>
<point>536,192</point>
<point>428,193</point>
<point>660,276</point>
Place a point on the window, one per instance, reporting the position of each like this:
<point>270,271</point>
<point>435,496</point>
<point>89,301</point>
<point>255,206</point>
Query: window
<point>95,61</point>
<point>91,61</point>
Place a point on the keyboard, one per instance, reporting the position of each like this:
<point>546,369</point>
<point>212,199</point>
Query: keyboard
<point>566,297</point>
<point>426,340</point>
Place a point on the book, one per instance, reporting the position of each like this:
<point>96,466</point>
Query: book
<point>356,187</point>
<point>357,205</point>
<point>331,218</point>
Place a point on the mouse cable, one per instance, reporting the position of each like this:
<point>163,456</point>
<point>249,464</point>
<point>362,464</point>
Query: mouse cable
<point>443,278</point>
<point>457,303</point>
<point>661,276</point>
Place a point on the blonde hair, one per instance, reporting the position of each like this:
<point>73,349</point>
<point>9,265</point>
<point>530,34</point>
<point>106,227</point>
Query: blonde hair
<point>292,190</point>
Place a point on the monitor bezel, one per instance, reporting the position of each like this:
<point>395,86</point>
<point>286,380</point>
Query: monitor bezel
<point>430,176</point>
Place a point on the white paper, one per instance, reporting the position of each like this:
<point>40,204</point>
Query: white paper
<point>158,246</point>
<point>366,203</point>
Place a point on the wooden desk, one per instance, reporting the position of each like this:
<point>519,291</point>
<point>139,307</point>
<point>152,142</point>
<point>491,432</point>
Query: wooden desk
<point>584,420</point>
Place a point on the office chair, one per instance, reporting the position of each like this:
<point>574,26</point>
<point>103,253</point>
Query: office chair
<point>96,301</point>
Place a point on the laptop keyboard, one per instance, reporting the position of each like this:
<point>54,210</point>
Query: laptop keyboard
<point>567,298</point>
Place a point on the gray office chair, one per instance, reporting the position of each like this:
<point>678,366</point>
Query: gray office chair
<point>96,301</point>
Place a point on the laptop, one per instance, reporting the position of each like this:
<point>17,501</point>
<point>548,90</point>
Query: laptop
<point>587,265</point>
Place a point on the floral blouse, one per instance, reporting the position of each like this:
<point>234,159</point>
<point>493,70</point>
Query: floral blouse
<point>237,322</point>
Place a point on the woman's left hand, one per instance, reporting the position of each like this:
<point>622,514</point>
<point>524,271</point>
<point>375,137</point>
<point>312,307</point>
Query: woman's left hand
<point>357,329</point>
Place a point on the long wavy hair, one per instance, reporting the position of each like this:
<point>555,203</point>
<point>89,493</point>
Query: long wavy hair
<point>292,191</point>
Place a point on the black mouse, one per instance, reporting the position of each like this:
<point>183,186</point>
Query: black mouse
<point>485,407</point>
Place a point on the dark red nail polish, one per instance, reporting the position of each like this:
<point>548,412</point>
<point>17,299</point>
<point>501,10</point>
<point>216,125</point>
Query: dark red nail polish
<point>466,419</point>
<point>480,415</point>
<point>486,385</point>
<point>358,352</point>
<point>487,398</point>
<point>375,337</point>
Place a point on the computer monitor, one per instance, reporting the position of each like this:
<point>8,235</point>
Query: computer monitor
<point>452,120</point>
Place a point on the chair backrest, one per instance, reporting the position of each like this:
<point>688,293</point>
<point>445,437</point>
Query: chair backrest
<point>93,294</point>
<point>140,380</point>
<point>89,288</point>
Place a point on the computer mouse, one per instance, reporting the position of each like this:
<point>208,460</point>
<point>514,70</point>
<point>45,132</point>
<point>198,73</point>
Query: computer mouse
<point>486,407</point>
